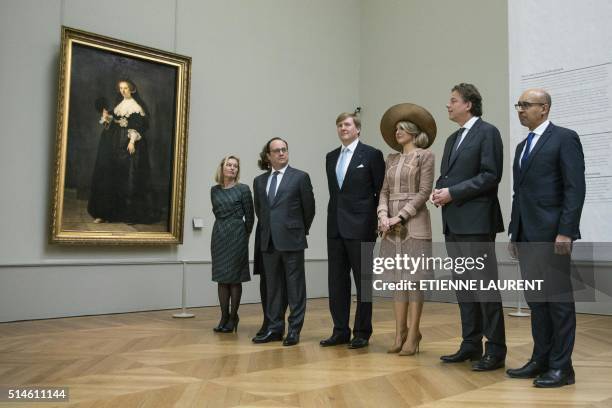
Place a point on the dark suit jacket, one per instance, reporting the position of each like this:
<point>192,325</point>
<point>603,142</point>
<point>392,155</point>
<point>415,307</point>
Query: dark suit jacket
<point>472,177</point>
<point>288,219</point>
<point>351,212</point>
<point>549,191</point>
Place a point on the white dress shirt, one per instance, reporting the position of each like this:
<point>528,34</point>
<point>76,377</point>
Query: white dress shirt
<point>466,128</point>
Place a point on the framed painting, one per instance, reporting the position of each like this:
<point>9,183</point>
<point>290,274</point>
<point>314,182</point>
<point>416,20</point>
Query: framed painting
<point>121,143</point>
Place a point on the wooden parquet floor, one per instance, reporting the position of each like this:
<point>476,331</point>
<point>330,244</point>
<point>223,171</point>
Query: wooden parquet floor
<point>150,360</point>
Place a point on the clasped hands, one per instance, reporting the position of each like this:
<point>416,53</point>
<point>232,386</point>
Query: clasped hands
<point>385,224</point>
<point>440,197</point>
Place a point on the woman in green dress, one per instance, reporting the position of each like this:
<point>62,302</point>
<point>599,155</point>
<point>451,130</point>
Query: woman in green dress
<point>232,205</point>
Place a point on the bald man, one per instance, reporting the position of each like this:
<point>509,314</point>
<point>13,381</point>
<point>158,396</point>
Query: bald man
<point>549,190</point>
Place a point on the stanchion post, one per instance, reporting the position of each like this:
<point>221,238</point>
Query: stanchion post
<point>184,313</point>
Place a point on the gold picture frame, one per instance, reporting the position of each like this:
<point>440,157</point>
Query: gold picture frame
<point>121,143</point>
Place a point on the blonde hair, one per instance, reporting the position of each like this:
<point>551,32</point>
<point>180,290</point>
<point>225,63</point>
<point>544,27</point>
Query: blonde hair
<point>421,139</point>
<point>345,115</point>
<point>219,172</point>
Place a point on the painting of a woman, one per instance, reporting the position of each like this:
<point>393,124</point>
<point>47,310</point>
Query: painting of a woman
<point>121,181</point>
<point>120,168</point>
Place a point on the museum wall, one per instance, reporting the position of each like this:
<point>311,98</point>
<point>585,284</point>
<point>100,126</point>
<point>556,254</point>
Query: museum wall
<point>260,69</point>
<point>416,51</point>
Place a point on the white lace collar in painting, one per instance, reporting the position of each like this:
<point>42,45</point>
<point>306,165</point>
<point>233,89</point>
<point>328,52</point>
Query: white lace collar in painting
<point>127,107</point>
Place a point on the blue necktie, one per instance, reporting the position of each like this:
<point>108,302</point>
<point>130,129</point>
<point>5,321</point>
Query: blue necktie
<point>272,189</point>
<point>340,166</point>
<point>527,148</point>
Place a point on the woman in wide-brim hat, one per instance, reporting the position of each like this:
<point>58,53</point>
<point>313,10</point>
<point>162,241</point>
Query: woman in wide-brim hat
<point>402,211</point>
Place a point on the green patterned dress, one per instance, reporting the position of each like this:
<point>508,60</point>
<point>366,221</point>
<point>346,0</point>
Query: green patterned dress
<point>229,246</point>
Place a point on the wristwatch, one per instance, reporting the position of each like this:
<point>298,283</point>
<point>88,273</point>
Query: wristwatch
<point>403,220</point>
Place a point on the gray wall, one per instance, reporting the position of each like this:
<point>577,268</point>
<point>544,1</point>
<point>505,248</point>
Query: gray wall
<point>260,69</point>
<point>415,51</point>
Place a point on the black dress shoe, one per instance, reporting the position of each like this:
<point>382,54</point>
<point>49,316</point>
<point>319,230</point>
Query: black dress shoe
<point>530,370</point>
<point>358,342</point>
<point>292,339</point>
<point>221,324</point>
<point>263,329</point>
<point>488,363</point>
<point>268,337</point>
<point>334,340</point>
<point>554,378</point>
<point>231,325</point>
<point>461,356</point>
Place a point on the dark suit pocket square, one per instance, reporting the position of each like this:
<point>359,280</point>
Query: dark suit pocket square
<point>361,166</point>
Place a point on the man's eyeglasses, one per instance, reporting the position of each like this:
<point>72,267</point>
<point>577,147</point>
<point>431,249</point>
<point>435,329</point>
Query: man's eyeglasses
<point>280,150</point>
<point>521,106</point>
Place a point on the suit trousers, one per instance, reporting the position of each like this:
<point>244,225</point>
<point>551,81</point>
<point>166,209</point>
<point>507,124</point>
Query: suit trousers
<point>480,315</point>
<point>285,283</point>
<point>344,255</point>
<point>553,323</point>
<point>258,269</point>
<point>263,293</point>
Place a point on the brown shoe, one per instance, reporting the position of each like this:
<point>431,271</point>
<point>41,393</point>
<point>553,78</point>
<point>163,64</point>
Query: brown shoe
<point>396,348</point>
<point>413,350</point>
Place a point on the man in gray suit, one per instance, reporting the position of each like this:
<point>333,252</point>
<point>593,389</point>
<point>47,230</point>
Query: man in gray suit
<point>285,208</point>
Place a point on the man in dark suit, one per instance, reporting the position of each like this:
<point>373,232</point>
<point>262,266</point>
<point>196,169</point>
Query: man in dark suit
<point>285,208</point>
<point>258,266</point>
<point>549,191</point>
<point>355,173</point>
<point>470,172</point>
